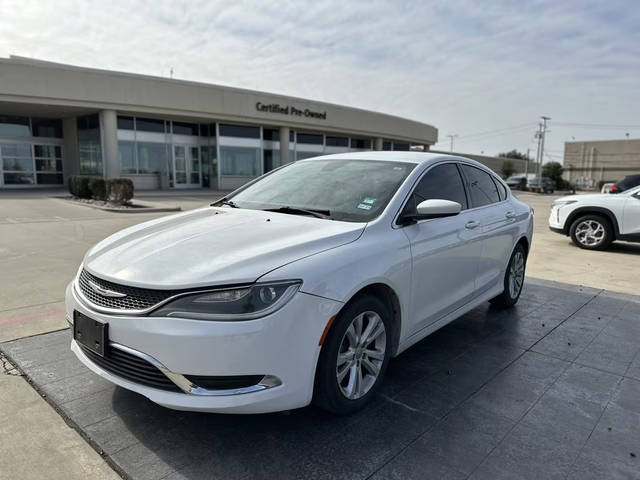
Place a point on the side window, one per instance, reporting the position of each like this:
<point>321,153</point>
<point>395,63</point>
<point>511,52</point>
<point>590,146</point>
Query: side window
<point>482,189</point>
<point>441,182</point>
<point>502,191</point>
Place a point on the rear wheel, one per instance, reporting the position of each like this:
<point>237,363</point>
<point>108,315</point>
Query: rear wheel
<point>354,356</point>
<point>591,232</point>
<point>513,279</point>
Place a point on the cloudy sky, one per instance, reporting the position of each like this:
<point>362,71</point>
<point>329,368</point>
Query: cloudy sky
<point>485,71</point>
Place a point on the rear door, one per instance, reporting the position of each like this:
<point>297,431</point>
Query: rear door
<point>489,200</point>
<point>445,251</point>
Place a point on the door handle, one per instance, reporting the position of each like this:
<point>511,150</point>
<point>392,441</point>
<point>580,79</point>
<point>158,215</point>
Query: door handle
<point>471,224</point>
<point>510,214</point>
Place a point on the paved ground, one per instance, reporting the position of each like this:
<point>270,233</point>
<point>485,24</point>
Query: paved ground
<point>547,390</point>
<point>42,242</point>
<point>554,257</point>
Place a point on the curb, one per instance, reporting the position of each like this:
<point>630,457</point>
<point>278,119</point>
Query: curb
<point>144,207</point>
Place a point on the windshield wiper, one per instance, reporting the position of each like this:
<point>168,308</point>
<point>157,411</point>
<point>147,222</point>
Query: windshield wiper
<point>224,201</point>
<point>300,211</point>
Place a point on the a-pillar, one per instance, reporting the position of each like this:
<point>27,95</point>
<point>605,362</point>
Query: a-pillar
<point>109,133</point>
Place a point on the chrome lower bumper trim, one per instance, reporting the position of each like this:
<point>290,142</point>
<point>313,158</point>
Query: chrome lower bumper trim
<point>268,381</point>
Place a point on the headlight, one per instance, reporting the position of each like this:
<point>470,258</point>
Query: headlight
<point>231,304</point>
<point>560,203</point>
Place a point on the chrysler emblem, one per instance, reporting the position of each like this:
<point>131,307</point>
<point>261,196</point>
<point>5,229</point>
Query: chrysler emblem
<point>105,292</point>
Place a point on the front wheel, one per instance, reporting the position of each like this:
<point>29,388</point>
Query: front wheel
<point>513,279</point>
<point>354,356</point>
<point>591,232</point>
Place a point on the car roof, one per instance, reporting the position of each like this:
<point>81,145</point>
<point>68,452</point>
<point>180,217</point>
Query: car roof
<point>396,156</point>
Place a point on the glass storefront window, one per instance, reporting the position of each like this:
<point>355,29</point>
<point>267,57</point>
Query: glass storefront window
<point>149,125</point>
<point>90,154</point>
<point>337,142</point>
<point>272,134</point>
<point>401,146</point>
<point>14,126</point>
<point>309,138</point>
<point>126,153</point>
<point>47,127</point>
<point>386,145</point>
<point>17,163</point>
<point>240,131</point>
<point>364,143</point>
<point>152,157</point>
<point>125,123</point>
<point>47,151</point>
<point>182,128</point>
<point>240,161</point>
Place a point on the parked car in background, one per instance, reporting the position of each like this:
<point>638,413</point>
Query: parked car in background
<point>594,221</point>
<point>541,184</point>
<point>301,285</point>
<point>517,182</point>
<point>606,187</point>
<point>625,184</point>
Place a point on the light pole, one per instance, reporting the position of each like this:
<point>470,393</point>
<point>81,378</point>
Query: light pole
<point>452,137</point>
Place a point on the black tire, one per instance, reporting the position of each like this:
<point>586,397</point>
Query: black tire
<point>328,393</point>
<point>598,239</point>
<point>508,298</point>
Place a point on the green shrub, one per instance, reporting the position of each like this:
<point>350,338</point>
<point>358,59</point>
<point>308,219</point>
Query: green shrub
<point>119,190</point>
<point>98,188</point>
<point>79,186</point>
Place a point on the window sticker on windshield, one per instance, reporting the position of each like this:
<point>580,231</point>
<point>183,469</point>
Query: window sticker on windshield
<point>364,206</point>
<point>369,200</point>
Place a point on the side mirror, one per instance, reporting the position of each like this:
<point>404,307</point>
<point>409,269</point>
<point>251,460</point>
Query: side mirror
<point>434,208</point>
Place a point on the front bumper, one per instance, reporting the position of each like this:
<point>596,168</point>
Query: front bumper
<point>283,346</point>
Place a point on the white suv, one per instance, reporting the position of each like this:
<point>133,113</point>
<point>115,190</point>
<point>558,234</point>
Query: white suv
<point>594,221</point>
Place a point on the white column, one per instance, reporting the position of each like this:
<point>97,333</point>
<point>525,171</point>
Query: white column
<point>377,146</point>
<point>284,146</point>
<point>109,135</point>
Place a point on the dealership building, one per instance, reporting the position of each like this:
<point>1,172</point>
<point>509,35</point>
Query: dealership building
<point>59,120</point>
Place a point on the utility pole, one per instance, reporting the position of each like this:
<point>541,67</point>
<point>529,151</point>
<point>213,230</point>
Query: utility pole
<point>526,166</point>
<point>544,132</point>
<point>452,137</point>
<point>538,137</point>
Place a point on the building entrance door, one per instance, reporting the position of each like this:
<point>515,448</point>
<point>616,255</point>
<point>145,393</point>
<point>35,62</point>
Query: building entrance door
<point>187,171</point>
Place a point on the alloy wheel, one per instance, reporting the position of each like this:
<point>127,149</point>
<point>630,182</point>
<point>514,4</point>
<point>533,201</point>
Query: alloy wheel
<point>361,355</point>
<point>590,233</point>
<point>516,274</point>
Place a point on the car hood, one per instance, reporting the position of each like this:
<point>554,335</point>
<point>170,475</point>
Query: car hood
<point>587,198</point>
<point>213,246</point>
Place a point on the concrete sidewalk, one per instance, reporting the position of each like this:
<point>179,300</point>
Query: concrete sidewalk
<point>35,441</point>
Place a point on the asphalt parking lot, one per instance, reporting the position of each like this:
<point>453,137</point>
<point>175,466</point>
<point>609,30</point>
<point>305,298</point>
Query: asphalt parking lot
<point>549,389</point>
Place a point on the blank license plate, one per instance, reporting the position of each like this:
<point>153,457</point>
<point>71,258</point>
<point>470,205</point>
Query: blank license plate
<point>90,333</point>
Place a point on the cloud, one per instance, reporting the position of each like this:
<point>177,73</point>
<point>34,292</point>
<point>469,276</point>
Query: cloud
<point>463,66</point>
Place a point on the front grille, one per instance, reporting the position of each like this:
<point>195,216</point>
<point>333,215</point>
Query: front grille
<point>135,299</point>
<point>132,368</point>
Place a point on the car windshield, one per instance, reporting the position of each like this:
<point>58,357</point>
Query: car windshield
<point>347,190</point>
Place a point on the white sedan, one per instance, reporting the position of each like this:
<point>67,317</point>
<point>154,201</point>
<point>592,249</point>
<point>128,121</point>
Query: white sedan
<point>301,285</point>
<point>594,221</point>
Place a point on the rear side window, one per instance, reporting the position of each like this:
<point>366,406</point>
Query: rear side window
<point>441,182</point>
<point>481,187</point>
<point>502,191</point>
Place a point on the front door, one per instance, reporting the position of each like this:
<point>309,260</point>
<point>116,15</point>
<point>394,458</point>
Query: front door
<point>444,251</point>
<point>186,166</point>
